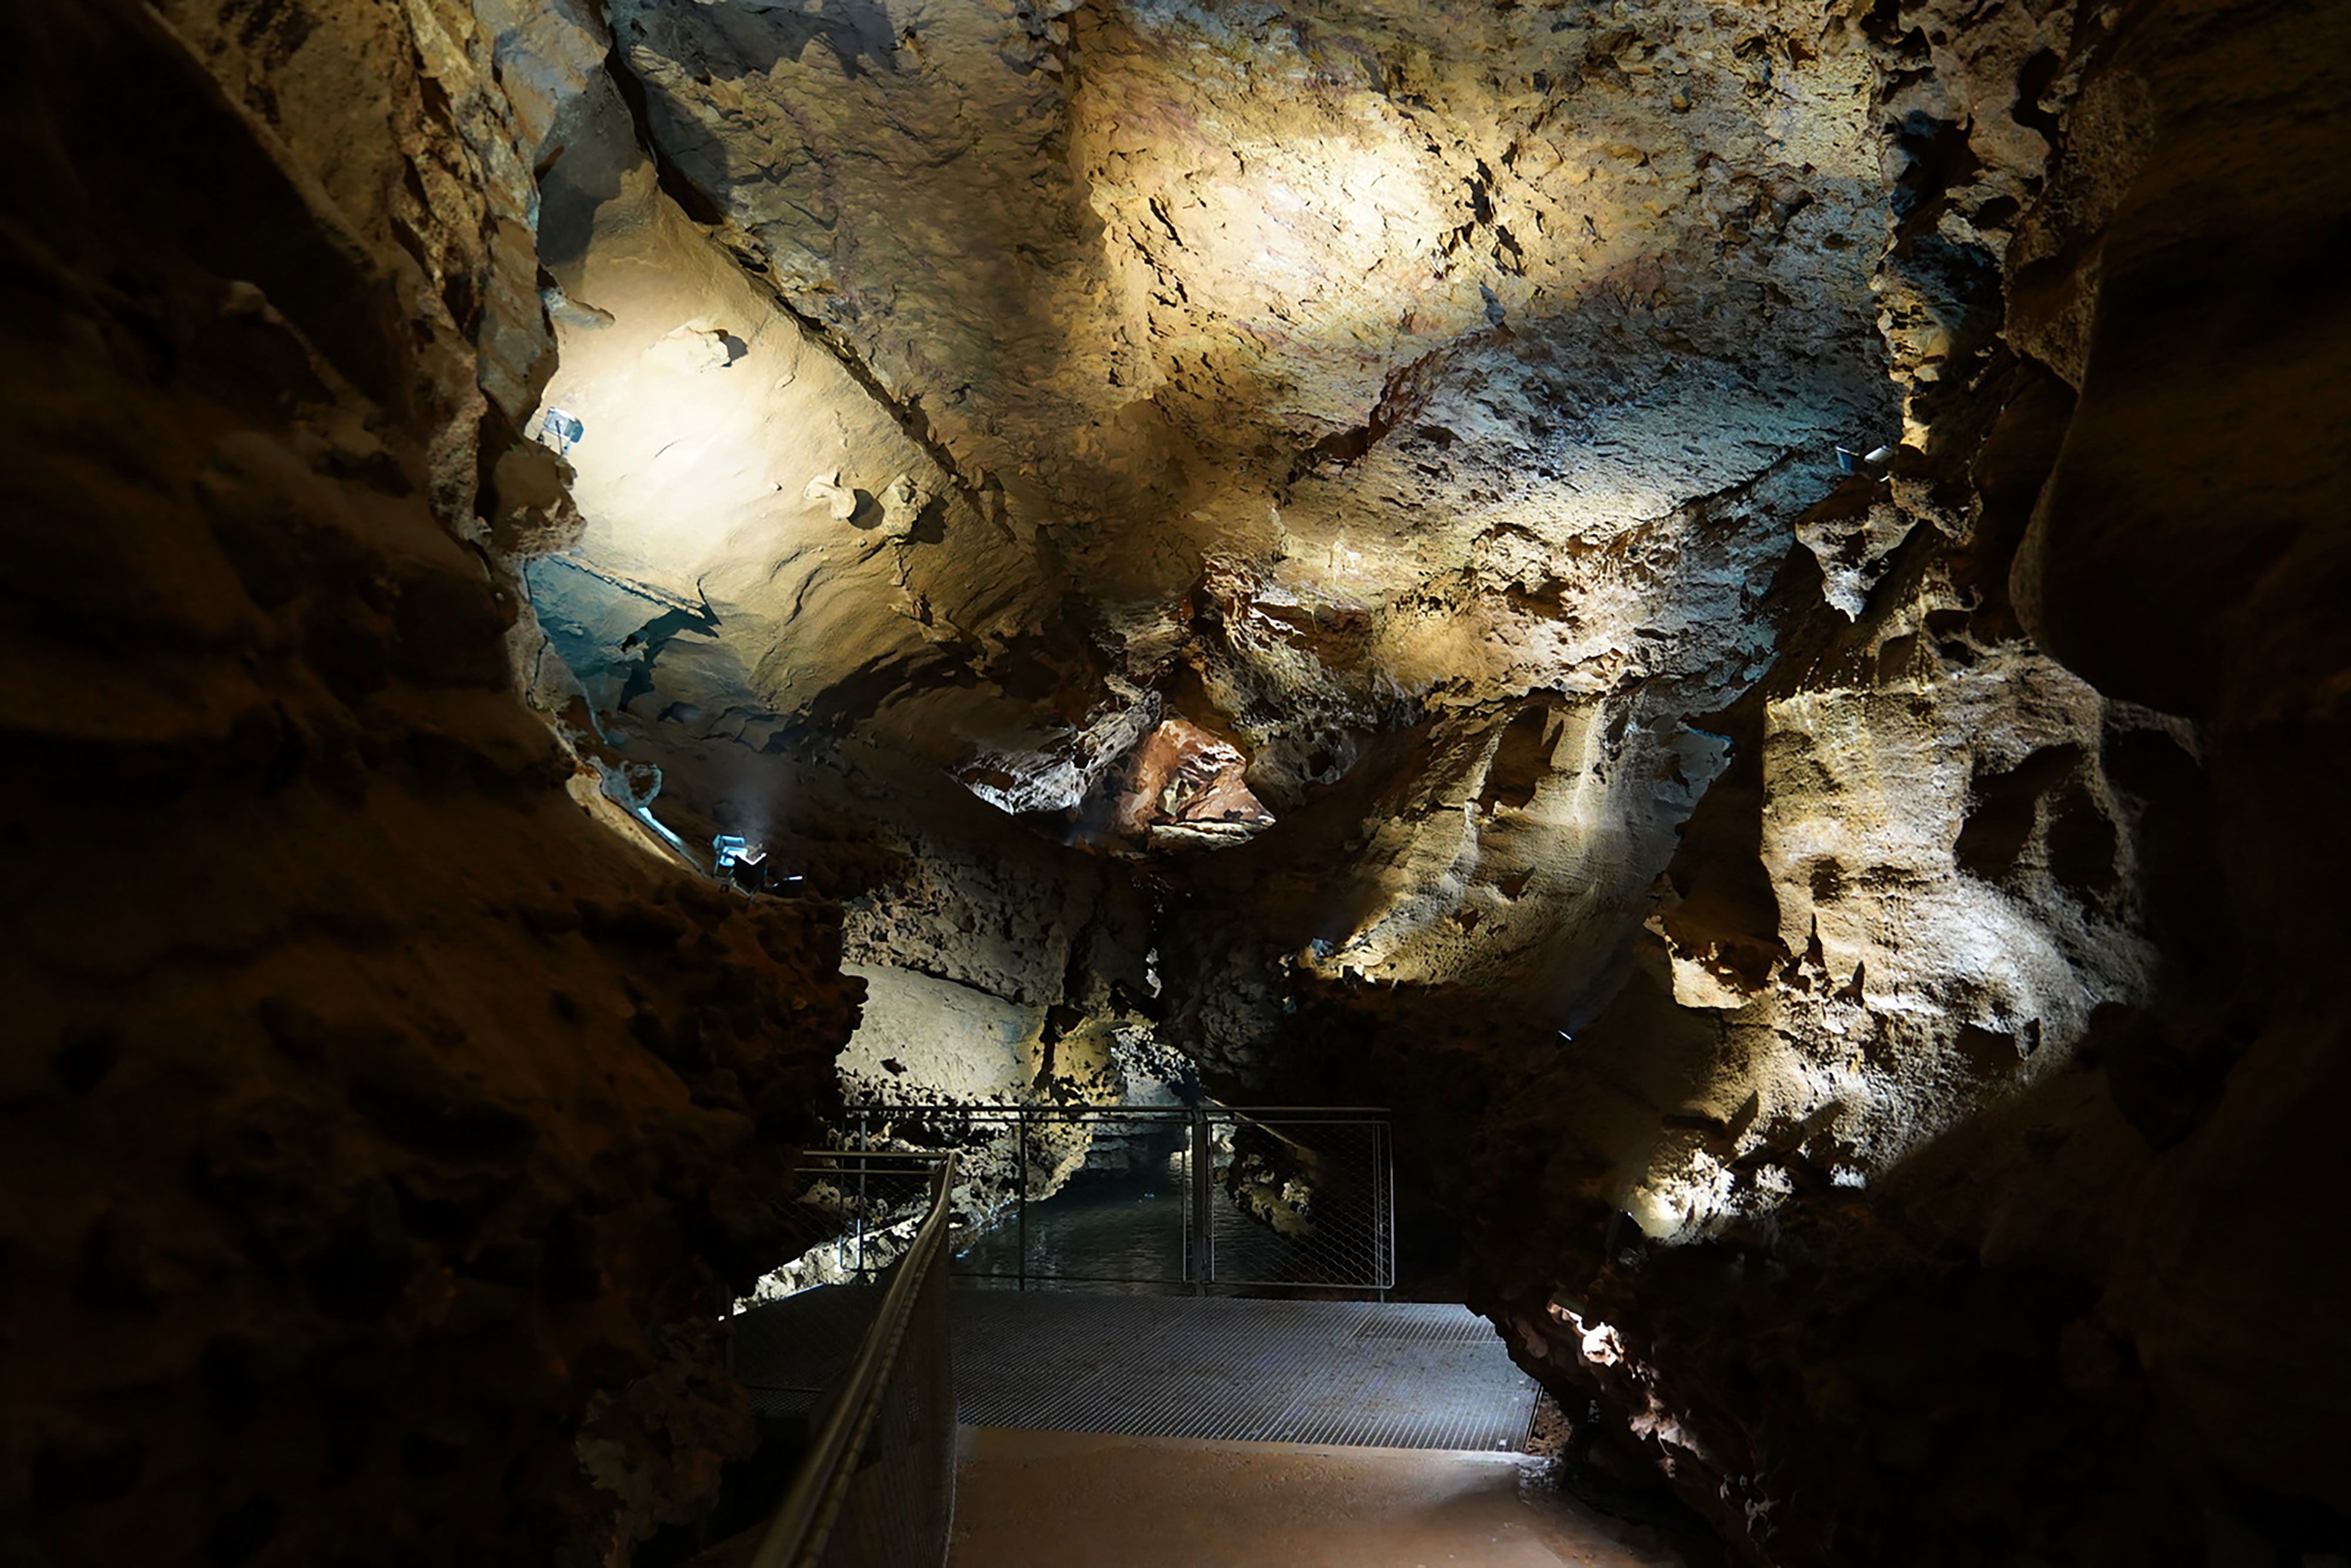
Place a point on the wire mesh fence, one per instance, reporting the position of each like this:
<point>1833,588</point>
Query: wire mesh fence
<point>900,1502</point>
<point>1164,1197</point>
<point>1301,1201</point>
<point>876,1485</point>
<point>1154,1196</point>
<point>849,1214</point>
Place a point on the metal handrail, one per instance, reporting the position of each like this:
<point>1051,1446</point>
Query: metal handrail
<point>1199,1267</point>
<point>797,1534</point>
<point>964,1108</point>
<point>910,1159</point>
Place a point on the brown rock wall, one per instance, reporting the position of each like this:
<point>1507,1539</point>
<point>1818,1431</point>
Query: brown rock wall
<point>373,1110</point>
<point>2022,1338</point>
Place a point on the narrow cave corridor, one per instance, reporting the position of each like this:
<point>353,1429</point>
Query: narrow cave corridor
<point>1715,629</point>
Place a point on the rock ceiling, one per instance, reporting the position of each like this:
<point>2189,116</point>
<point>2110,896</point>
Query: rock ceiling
<point>1422,412</point>
<point>967,390</point>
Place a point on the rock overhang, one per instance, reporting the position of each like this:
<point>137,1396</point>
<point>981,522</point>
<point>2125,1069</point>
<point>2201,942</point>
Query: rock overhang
<point>1331,365</point>
<point>1415,438</point>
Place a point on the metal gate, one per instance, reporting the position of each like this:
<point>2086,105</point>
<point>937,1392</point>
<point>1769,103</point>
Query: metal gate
<point>1168,1196</point>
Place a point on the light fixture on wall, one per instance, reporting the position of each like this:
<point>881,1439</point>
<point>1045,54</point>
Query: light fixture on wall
<point>1848,460</point>
<point>734,850</point>
<point>561,430</point>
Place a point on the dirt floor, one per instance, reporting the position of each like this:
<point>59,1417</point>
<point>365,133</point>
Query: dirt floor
<point>1083,1499</point>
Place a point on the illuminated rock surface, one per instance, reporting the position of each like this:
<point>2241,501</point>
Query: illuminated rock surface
<point>1309,539</point>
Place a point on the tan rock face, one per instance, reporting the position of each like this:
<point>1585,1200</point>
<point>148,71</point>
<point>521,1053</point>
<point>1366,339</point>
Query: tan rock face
<point>1380,343</point>
<point>1314,376</point>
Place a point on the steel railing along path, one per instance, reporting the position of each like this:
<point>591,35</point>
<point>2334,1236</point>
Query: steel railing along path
<point>877,1486</point>
<point>1208,1196</point>
<point>1197,1197</point>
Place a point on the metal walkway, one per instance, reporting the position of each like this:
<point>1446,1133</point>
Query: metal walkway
<point>1362,1374</point>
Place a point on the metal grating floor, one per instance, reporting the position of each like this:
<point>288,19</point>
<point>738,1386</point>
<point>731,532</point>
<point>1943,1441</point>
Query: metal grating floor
<point>1362,1374</point>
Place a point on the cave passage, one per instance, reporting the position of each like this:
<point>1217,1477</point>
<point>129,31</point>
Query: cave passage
<point>628,610</point>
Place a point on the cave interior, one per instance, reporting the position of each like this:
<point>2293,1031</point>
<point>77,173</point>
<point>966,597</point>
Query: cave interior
<point>1735,608</point>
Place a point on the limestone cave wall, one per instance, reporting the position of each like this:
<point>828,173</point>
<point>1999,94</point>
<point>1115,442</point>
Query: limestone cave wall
<point>381,1127</point>
<point>1974,1212</point>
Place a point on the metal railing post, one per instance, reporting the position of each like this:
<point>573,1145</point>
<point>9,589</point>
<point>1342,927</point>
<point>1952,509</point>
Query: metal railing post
<point>1020,1190</point>
<point>1384,1228</point>
<point>1204,1230</point>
